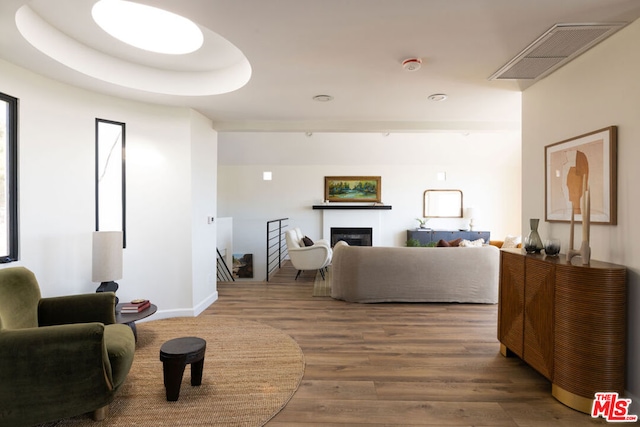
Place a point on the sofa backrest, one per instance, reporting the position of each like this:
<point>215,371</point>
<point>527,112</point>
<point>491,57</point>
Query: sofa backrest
<point>19,297</point>
<point>412,274</point>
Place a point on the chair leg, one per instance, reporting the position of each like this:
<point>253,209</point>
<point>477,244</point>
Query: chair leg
<point>299,271</point>
<point>322,273</point>
<point>100,413</point>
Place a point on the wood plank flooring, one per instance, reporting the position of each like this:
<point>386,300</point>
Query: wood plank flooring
<point>395,364</point>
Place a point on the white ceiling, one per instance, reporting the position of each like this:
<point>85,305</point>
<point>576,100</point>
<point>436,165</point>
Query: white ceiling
<point>349,49</point>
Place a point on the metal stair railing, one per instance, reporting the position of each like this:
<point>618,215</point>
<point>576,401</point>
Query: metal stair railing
<point>223,273</point>
<point>276,244</point>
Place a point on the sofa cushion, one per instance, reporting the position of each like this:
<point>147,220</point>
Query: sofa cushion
<point>472,244</point>
<point>307,241</point>
<point>511,242</point>
<point>446,244</point>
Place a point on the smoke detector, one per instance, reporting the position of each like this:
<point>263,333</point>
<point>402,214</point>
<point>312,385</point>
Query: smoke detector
<point>412,64</point>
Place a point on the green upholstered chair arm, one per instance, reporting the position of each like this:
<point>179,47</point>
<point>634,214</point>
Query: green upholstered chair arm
<point>98,307</point>
<point>49,372</point>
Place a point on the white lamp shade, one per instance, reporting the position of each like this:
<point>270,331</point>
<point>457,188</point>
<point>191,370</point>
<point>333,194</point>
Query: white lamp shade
<point>107,256</point>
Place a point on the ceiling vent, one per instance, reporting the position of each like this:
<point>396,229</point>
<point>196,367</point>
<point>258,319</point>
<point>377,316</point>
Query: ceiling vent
<point>555,48</point>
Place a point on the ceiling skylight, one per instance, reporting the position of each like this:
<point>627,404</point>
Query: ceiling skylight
<point>147,27</point>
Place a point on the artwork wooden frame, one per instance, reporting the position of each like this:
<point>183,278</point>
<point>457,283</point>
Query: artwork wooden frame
<point>592,159</point>
<point>353,189</point>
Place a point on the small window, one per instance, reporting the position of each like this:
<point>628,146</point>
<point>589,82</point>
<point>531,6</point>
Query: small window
<point>110,177</point>
<point>8,178</point>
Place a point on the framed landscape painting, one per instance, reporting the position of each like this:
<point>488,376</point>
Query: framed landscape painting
<point>243,266</point>
<point>586,162</point>
<point>352,189</point>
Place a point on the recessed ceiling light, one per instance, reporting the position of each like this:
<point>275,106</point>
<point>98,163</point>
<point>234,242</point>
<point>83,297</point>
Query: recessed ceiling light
<point>323,98</point>
<point>147,27</point>
<point>437,97</point>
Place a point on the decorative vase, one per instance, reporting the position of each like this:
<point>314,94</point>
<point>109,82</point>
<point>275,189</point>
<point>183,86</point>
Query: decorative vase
<point>552,247</point>
<point>533,243</point>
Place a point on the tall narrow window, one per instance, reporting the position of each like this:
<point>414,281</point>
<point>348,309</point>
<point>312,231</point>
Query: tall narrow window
<point>8,178</point>
<point>110,177</point>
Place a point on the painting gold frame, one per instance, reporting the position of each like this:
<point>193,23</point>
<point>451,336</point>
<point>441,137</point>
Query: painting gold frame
<point>589,159</point>
<point>353,189</point>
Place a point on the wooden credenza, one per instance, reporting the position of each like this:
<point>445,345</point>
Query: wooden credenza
<point>567,321</point>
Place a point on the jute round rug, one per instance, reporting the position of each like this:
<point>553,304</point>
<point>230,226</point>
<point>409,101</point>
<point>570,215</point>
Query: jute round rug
<point>251,370</point>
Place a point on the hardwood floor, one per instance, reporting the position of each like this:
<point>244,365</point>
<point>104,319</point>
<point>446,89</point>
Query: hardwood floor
<point>395,364</point>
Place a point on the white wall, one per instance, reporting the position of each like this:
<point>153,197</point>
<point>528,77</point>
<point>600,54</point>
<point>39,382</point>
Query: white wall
<point>203,165</point>
<point>598,89</point>
<point>170,175</point>
<point>485,166</point>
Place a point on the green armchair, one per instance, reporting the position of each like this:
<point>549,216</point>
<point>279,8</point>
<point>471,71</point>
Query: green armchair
<point>59,357</point>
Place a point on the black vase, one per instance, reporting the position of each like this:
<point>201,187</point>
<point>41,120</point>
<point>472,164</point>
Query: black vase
<point>533,243</point>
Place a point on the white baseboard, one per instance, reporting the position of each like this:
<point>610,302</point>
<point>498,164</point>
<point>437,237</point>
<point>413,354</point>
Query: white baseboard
<point>205,303</point>
<point>183,312</point>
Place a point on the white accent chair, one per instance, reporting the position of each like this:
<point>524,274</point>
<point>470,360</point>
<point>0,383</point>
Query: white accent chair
<point>315,257</point>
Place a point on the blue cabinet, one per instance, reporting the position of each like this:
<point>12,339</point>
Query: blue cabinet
<point>428,236</point>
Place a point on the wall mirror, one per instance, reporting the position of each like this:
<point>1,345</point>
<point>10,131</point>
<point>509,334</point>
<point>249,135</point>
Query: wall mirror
<point>110,177</point>
<point>442,204</point>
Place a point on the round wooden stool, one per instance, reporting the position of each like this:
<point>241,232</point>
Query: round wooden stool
<point>175,354</point>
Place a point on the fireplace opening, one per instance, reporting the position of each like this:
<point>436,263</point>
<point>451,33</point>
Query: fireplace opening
<point>354,236</point>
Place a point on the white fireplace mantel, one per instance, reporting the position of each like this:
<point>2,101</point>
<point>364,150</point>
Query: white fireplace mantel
<point>354,217</point>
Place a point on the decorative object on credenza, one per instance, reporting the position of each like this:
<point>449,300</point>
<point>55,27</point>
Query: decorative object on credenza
<point>471,213</point>
<point>353,189</point>
<point>552,247</point>
<point>533,242</point>
<point>567,163</point>
<point>422,222</point>
<point>585,207</point>
<point>107,260</point>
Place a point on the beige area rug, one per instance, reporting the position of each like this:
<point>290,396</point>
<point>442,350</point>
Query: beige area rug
<point>322,288</point>
<point>251,370</point>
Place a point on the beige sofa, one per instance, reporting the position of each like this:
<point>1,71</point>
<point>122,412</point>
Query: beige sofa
<point>411,274</point>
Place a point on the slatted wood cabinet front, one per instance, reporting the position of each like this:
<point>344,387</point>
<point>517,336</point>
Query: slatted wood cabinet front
<point>566,320</point>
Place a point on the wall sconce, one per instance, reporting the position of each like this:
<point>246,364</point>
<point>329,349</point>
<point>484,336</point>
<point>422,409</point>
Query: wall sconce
<point>267,176</point>
<point>107,260</point>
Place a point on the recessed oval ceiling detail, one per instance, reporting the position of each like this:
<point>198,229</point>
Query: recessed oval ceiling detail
<point>147,27</point>
<point>100,56</point>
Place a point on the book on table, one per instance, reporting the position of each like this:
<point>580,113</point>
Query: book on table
<point>135,306</point>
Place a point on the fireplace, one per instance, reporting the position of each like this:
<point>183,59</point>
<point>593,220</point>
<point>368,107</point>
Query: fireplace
<point>354,236</point>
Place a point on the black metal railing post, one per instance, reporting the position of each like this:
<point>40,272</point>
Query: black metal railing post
<point>275,252</point>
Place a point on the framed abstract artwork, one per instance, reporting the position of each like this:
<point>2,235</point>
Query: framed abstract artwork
<point>586,162</point>
<point>352,189</point>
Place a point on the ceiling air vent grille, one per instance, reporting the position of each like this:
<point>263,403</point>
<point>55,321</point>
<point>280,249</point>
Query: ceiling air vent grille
<point>556,47</point>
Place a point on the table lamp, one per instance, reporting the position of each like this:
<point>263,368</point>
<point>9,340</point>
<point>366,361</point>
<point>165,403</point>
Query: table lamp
<point>471,213</point>
<point>107,260</point>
